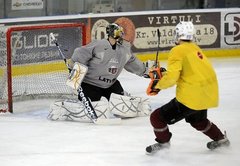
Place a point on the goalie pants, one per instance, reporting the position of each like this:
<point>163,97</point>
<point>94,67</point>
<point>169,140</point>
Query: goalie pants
<point>173,112</point>
<point>95,93</point>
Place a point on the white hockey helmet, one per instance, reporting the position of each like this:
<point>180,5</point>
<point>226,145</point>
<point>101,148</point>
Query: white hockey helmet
<point>184,31</point>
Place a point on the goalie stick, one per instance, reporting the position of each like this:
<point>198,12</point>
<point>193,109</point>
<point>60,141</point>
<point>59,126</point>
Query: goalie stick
<point>85,100</point>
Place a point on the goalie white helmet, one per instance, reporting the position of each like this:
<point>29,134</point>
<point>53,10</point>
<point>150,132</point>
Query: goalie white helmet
<point>184,31</point>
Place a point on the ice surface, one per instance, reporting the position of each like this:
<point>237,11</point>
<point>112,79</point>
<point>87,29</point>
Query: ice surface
<point>27,138</point>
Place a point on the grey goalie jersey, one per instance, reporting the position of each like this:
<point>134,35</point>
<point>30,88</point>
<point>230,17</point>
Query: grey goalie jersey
<point>105,63</point>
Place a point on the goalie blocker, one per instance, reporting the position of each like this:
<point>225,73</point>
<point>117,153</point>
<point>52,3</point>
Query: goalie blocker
<point>117,106</point>
<point>76,76</point>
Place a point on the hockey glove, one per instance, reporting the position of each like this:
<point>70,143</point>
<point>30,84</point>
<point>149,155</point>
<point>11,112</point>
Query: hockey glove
<point>155,75</point>
<point>162,70</point>
<point>77,75</point>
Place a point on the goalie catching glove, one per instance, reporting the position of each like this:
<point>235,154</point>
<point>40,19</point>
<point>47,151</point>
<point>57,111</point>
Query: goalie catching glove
<point>155,75</point>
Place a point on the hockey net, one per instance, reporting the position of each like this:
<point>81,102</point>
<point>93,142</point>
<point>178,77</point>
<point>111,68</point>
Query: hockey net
<point>30,64</point>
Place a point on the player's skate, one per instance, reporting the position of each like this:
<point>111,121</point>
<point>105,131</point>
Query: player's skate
<point>156,147</point>
<point>221,143</point>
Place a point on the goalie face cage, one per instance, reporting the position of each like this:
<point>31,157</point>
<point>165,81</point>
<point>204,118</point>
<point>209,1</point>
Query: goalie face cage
<point>30,64</point>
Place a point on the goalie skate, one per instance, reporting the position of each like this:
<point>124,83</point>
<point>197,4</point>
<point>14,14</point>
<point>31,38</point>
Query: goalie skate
<point>151,149</point>
<point>221,143</point>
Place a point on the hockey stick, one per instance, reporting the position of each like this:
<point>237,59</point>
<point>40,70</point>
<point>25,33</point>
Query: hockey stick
<point>85,100</point>
<point>155,74</point>
<point>158,47</point>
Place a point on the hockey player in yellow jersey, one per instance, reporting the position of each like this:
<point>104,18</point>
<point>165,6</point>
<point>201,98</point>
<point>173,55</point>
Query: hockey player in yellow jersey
<point>196,91</point>
<point>197,85</point>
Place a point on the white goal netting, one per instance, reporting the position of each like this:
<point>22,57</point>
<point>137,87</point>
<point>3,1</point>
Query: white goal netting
<point>30,64</point>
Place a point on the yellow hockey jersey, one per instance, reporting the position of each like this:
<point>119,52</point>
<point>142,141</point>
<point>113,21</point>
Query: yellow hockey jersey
<point>190,70</point>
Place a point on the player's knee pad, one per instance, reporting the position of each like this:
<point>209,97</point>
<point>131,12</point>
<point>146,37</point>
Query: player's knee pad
<point>156,119</point>
<point>202,126</point>
<point>129,106</point>
<point>74,110</point>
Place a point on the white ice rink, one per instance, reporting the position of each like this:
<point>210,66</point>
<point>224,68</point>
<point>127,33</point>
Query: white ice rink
<point>27,138</point>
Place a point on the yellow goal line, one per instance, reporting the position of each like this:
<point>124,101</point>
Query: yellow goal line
<point>35,68</point>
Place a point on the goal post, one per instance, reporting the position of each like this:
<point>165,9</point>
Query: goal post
<point>30,64</point>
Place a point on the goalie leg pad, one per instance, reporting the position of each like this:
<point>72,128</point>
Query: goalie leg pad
<point>128,106</point>
<point>144,107</point>
<point>57,111</point>
<point>74,110</point>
